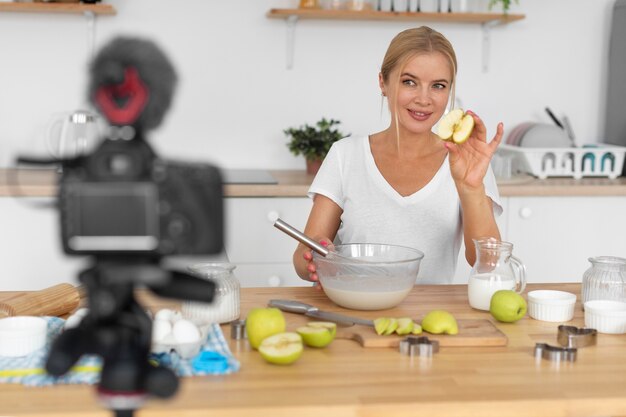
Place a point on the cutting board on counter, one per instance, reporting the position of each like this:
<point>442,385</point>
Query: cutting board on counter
<point>472,332</point>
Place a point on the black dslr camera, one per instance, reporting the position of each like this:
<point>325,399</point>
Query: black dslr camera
<point>123,200</point>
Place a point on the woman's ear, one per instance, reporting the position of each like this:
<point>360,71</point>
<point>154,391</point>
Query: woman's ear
<point>381,83</point>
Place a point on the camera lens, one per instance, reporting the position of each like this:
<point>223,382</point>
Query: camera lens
<point>120,164</point>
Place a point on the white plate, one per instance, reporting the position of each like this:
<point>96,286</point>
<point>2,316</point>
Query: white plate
<point>543,135</point>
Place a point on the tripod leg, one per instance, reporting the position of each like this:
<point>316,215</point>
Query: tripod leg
<point>66,350</point>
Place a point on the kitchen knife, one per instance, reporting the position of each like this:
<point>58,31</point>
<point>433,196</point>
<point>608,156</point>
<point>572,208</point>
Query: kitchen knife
<point>312,311</point>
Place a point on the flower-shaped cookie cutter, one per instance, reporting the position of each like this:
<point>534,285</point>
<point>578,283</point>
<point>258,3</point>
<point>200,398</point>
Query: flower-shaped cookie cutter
<point>418,346</point>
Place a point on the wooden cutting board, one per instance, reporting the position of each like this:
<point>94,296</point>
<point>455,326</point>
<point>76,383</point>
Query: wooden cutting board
<point>472,332</point>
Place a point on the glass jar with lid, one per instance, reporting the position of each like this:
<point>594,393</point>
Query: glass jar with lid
<point>605,279</point>
<point>225,305</point>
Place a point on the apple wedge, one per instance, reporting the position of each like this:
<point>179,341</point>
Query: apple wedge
<point>456,126</point>
<point>317,334</point>
<point>282,348</point>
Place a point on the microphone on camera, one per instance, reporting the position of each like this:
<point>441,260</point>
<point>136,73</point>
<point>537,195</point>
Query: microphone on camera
<point>132,83</point>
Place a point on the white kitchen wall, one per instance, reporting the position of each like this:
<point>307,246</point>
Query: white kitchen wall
<point>236,95</point>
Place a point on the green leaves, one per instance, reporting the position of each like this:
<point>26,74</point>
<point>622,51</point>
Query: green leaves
<point>506,4</point>
<point>314,142</point>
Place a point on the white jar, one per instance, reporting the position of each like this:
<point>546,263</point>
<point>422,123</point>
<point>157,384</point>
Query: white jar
<point>225,305</point>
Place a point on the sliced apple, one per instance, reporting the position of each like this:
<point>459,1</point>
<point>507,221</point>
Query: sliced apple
<point>417,329</point>
<point>380,325</point>
<point>405,326</point>
<point>448,123</point>
<point>318,333</point>
<point>456,126</point>
<point>391,327</point>
<point>282,348</point>
<point>464,129</point>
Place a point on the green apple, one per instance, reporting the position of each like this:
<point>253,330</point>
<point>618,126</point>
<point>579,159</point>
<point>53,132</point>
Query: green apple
<point>440,321</point>
<point>405,326</point>
<point>456,126</point>
<point>391,327</point>
<point>282,348</point>
<point>507,306</point>
<point>262,323</point>
<point>381,324</point>
<point>317,333</point>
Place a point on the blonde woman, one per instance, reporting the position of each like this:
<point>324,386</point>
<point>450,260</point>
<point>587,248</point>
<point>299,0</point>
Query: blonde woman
<point>404,185</point>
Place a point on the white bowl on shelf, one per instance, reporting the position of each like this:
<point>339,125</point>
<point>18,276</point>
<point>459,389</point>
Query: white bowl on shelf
<point>551,305</point>
<point>606,316</point>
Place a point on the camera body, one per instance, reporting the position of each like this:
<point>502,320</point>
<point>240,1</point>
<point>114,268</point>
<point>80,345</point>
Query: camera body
<point>123,201</point>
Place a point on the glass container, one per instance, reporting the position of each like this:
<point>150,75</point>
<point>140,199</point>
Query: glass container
<point>225,305</point>
<point>605,279</point>
<point>495,269</point>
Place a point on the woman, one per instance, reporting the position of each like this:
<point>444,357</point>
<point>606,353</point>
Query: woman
<point>404,185</point>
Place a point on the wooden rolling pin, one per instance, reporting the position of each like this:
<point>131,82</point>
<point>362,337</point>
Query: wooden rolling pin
<point>57,300</point>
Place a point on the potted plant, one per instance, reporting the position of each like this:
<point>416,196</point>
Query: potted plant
<point>506,4</point>
<point>313,142</point>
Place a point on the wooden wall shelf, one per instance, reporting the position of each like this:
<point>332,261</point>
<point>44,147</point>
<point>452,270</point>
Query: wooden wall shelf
<point>401,16</point>
<point>73,8</point>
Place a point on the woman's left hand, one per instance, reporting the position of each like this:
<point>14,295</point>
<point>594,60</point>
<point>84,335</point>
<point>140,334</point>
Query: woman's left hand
<point>470,160</point>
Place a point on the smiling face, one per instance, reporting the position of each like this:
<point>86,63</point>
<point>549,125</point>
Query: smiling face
<point>418,92</point>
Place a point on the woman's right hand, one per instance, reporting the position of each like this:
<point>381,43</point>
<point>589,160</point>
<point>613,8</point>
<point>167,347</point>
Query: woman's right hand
<point>310,265</point>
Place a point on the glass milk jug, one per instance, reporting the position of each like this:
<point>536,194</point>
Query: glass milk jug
<point>605,279</point>
<point>225,305</point>
<point>495,269</point>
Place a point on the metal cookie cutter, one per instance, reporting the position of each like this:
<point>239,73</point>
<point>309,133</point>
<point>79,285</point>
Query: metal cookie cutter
<point>238,329</point>
<point>555,353</point>
<point>574,337</point>
<point>418,346</point>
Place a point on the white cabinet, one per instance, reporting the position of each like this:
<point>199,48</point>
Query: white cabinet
<point>554,236</point>
<point>31,256</point>
<point>463,269</point>
<point>262,253</point>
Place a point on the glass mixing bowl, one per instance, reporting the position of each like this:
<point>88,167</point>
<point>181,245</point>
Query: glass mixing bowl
<point>379,277</point>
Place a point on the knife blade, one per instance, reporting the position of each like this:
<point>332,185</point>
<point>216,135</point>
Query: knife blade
<point>312,311</point>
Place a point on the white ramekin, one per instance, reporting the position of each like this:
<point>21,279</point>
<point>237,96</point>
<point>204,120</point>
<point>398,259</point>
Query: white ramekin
<point>606,316</point>
<point>550,305</point>
<point>22,335</point>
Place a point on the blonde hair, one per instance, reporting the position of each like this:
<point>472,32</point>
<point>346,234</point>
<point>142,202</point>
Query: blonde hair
<point>416,41</point>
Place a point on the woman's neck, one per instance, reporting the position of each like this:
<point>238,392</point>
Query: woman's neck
<point>409,145</point>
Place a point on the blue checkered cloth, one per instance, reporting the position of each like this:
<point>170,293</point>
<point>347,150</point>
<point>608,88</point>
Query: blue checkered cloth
<point>29,370</point>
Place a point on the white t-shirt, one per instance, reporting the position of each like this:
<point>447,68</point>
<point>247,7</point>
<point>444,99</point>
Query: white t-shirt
<point>374,212</point>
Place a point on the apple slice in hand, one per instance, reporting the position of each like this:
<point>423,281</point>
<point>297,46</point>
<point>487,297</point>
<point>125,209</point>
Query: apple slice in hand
<point>456,126</point>
<point>282,348</point>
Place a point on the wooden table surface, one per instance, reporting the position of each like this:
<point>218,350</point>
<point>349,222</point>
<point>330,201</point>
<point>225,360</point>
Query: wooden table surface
<point>345,379</point>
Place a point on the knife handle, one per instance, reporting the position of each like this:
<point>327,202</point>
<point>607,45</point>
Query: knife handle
<point>291,306</point>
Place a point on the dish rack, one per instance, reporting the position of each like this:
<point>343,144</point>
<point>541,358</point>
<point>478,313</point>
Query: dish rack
<point>593,161</point>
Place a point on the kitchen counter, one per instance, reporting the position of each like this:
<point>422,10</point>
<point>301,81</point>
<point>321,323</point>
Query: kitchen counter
<point>346,379</point>
<point>295,183</point>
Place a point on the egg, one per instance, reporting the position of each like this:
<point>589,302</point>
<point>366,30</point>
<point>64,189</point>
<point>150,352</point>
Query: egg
<point>164,314</point>
<point>72,321</point>
<point>160,330</point>
<point>186,332</point>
